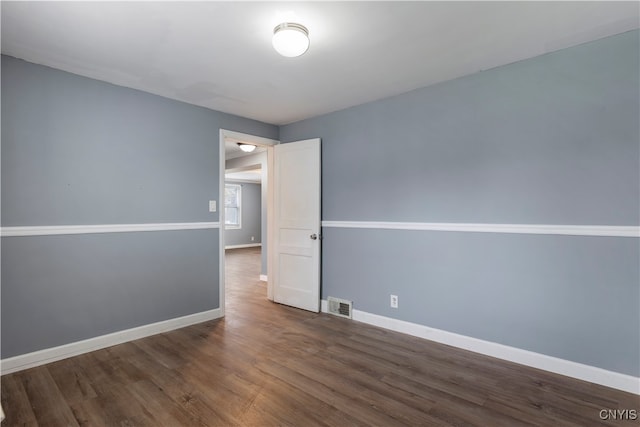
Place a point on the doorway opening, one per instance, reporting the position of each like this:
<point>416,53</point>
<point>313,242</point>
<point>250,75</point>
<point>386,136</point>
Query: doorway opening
<point>245,193</point>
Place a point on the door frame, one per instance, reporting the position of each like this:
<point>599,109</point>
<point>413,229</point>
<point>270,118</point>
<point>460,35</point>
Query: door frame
<point>229,135</point>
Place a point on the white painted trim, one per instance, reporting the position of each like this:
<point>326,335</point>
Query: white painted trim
<point>556,365</point>
<point>245,137</point>
<point>49,230</point>
<point>264,278</point>
<point>37,358</point>
<point>248,245</point>
<point>243,181</point>
<point>222,165</point>
<point>271,225</point>
<point>570,230</point>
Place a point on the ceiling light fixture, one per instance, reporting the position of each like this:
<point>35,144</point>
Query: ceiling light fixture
<point>247,148</point>
<point>290,39</point>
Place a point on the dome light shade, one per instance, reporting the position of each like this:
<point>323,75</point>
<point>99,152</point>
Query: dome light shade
<point>290,39</point>
<point>247,148</point>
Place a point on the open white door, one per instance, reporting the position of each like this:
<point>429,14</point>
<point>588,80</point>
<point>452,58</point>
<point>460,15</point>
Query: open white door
<point>295,268</point>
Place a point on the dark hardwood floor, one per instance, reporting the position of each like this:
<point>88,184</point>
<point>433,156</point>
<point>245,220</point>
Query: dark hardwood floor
<point>269,365</point>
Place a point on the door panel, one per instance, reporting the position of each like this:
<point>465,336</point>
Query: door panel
<point>296,275</point>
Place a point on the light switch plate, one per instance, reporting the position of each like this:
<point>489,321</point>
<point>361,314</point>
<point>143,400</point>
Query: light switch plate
<point>212,205</point>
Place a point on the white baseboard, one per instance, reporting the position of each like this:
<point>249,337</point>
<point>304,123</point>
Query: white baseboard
<point>249,245</point>
<point>263,278</point>
<point>556,365</point>
<point>37,358</point>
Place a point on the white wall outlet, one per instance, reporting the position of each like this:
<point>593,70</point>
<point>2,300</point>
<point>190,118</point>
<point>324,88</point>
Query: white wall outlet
<point>253,238</point>
<point>394,301</point>
<point>212,205</point>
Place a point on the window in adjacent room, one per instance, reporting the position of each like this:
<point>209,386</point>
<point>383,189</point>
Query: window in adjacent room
<point>232,205</point>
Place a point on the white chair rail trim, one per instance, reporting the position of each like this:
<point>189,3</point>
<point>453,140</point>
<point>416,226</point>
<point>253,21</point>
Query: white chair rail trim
<point>49,230</point>
<point>569,230</point>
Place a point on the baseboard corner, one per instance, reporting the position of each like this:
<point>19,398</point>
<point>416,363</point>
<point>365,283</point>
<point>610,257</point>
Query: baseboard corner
<point>48,355</point>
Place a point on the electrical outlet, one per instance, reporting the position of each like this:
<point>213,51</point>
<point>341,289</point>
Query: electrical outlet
<point>394,301</point>
<point>253,238</point>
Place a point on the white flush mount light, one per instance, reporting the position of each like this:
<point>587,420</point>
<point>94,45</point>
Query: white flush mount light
<point>247,148</point>
<point>290,39</point>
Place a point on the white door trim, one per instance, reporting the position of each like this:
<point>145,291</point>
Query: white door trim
<point>271,224</point>
<point>252,139</point>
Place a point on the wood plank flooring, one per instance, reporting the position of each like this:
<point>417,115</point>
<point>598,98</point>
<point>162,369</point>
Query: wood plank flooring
<point>269,365</point>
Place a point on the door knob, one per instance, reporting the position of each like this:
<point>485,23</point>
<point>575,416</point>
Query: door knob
<point>314,236</point>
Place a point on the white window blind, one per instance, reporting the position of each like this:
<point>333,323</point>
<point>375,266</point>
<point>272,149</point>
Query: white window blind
<point>232,206</point>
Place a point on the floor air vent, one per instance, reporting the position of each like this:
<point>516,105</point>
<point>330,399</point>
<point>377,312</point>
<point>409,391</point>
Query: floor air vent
<point>340,307</point>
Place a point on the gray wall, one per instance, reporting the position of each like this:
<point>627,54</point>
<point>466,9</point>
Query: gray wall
<point>551,140</point>
<point>78,151</point>
<point>251,211</point>
<point>61,289</point>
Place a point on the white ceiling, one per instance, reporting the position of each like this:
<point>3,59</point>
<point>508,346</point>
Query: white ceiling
<point>218,54</point>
